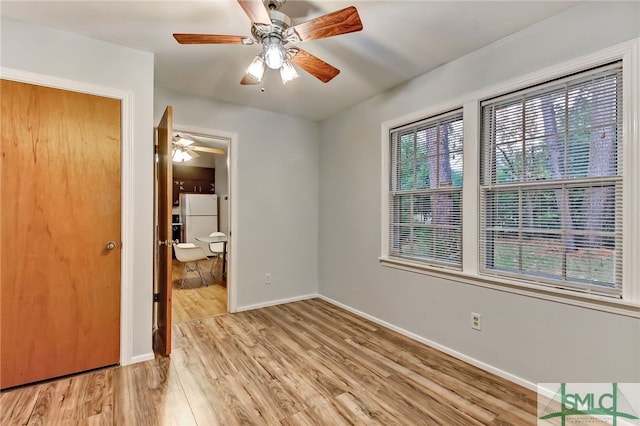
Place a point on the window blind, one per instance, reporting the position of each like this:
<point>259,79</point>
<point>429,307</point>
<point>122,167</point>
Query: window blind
<point>425,190</point>
<point>551,183</point>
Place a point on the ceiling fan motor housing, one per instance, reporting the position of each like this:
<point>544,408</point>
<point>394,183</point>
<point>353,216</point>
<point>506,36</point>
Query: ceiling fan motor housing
<point>279,24</point>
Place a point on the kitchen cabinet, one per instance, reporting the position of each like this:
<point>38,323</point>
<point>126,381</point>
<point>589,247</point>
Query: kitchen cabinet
<point>192,180</point>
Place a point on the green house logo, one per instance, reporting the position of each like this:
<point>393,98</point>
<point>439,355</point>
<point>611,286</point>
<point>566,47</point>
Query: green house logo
<point>589,403</point>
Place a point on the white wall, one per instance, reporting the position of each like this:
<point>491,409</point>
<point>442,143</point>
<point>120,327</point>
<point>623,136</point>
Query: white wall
<point>277,197</point>
<point>532,339</point>
<point>64,55</point>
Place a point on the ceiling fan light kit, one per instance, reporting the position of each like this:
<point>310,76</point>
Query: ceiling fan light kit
<point>274,53</point>
<point>288,72</point>
<point>180,155</point>
<point>272,29</point>
<point>255,70</point>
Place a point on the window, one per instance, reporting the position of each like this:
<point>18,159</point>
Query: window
<point>425,191</point>
<point>551,183</point>
<point>551,193</point>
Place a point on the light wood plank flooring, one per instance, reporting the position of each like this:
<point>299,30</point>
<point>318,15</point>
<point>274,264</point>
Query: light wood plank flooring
<point>194,300</point>
<point>302,363</point>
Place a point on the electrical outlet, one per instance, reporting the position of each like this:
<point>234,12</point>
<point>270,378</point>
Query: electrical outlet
<point>267,278</point>
<point>476,321</point>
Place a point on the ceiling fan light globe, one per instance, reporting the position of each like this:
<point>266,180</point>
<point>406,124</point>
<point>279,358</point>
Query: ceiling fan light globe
<point>274,54</point>
<point>256,68</point>
<point>180,156</point>
<point>288,72</point>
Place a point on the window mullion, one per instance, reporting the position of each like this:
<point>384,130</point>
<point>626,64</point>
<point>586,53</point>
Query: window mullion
<point>470,194</point>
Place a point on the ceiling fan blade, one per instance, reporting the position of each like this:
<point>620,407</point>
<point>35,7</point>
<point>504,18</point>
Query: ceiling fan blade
<point>332,24</point>
<point>256,11</point>
<point>191,152</point>
<point>248,80</point>
<point>211,39</point>
<point>207,149</point>
<point>315,66</point>
<point>202,139</point>
<point>181,140</point>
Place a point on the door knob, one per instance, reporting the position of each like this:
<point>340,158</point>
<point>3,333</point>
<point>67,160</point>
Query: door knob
<point>168,243</point>
<point>111,245</point>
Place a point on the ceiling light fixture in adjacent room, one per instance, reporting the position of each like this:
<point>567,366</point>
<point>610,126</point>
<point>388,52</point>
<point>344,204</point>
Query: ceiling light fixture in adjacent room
<point>180,155</point>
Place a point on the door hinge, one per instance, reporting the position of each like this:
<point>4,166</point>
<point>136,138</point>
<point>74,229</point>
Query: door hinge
<point>156,297</point>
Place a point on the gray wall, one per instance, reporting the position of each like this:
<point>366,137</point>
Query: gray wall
<point>530,339</point>
<point>277,169</point>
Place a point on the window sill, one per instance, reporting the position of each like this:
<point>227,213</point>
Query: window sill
<point>589,301</point>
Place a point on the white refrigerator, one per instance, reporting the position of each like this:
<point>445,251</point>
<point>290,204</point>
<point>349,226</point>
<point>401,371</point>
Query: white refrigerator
<point>199,214</point>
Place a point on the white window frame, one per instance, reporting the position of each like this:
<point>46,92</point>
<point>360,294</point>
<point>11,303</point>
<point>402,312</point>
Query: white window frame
<point>394,190</point>
<point>629,53</point>
<point>522,185</point>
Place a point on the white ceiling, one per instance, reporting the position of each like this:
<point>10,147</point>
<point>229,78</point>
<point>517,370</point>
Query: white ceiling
<point>400,40</point>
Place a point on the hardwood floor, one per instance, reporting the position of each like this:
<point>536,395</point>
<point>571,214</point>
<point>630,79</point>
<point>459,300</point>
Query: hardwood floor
<point>194,300</point>
<point>302,363</point>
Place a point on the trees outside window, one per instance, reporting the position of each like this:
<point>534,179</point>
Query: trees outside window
<point>425,190</point>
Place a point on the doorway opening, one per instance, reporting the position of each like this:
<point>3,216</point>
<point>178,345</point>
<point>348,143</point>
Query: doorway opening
<point>204,173</point>
<point>164,276</point>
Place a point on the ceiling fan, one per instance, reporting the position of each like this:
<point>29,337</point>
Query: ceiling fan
<point>273,30</point>
<point>183,148</point>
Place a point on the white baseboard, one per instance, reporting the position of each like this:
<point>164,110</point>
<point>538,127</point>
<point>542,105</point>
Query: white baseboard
<point>141,358</point>
<point>277,302</point>
<point>482,365</point>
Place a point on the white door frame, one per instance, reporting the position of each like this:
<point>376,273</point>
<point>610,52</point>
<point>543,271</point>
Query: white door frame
<point>126,185</point>
<point>232,192</point>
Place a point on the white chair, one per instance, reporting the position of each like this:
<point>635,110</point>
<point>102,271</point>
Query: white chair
<point>218,251</point>
<point>190,254</point>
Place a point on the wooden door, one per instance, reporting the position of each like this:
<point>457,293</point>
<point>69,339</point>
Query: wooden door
<point>162,334</point>
<point>60,194</point>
